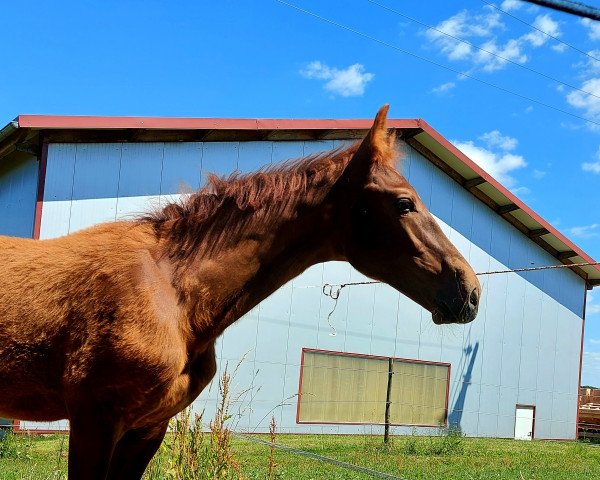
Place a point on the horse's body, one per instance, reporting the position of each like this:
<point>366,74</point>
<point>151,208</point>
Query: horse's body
<point>114,327</point>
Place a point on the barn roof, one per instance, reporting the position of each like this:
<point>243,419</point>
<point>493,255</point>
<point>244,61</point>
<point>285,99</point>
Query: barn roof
<point>26,133</point>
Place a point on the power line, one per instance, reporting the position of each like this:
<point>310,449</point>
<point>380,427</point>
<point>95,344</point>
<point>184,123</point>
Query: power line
<point>424,59</point>
<point>541,31</point>
<point>574,8</point>
<point>466,42</point>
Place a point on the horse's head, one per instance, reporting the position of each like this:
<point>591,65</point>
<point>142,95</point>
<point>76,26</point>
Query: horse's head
<point>388,234</point>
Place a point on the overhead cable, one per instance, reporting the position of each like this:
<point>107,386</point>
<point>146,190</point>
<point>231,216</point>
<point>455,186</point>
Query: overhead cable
<point>466,42</point>
<point>433,62</point>
<point>574,8</point>
<point>541,31</point>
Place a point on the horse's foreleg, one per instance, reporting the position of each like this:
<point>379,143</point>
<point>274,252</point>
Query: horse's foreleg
<point>92,441</point>
<point>134,451</point>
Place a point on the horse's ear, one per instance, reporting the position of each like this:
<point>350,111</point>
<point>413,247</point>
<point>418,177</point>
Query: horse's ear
<point>377,148</point>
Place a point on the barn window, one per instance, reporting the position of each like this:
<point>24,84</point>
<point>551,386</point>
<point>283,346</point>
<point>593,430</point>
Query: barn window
<point>350,388</point>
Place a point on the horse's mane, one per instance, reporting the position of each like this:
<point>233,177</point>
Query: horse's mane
<point>215,215</point>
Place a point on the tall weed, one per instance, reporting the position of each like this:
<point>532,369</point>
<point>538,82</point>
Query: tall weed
<point>190,453</point>
<point>448,441</point>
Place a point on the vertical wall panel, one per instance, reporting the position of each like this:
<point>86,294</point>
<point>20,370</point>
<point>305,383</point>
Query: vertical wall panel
<point>141,169</point>
<point>220,158</point>
<point>55,219</point>
<point>96,171</point>
<point>273,327</point>
<point>283,151</point>
<point>18,193</point>
<point>85,213</point>
<point>408,330</point>
<point>420,176</point>
<point>128,208</point>
<point>181,167</point>
<point>360,321</point>
<point>58,191</point>
<point>239,340</point>
<point>59,172</point>
<point>316,146</point>
<point>311,277</point>
<point>95,184</point>
<point>385,323</point>
<point>305,318</point>
<point>254,155</point>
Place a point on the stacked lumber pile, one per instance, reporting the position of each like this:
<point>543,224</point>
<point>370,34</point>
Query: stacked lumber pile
<point>589,412</point>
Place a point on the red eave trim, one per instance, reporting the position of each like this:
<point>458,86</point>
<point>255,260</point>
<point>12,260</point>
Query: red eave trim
<point>498,186</point>
<point>165,123</point>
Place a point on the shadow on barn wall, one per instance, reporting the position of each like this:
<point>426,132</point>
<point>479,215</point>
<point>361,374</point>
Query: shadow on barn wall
<point>455,416</point>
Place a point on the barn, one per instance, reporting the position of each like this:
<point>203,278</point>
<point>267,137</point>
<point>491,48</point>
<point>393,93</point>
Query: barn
<point>315,364</point>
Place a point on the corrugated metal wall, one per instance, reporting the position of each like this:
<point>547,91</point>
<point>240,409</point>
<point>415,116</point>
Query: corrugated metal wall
<point>522,349</point>
<point>18,190</point>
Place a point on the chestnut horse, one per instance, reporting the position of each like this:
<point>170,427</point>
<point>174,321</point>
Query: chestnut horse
<point>114,327</point>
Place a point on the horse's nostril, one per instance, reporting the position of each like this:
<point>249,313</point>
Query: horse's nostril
<point>474,298</point>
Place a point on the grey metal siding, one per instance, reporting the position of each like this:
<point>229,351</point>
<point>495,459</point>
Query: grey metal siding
<point>18,192</point>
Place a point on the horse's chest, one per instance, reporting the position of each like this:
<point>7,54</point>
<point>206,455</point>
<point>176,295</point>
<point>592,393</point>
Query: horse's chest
<point>190,383</point>
<point>202,370</point>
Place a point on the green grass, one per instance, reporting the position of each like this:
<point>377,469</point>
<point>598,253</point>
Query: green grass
<point>410,457</point>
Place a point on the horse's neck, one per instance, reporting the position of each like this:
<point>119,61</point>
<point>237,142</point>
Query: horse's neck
<point>221,288</point>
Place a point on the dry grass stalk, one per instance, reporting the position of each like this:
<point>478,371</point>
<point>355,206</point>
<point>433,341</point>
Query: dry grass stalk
<point>272,435</point>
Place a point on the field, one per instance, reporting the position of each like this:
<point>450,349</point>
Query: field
<point>410,457</point>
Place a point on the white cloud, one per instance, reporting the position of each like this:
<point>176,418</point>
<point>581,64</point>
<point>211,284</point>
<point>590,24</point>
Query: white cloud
<point>594,341</point>
<point>593,28</point>
<point>590,104</point>
<point>496,57</point>
<point>585,231</point>
<point>589,68</point>
<point>347,82</point>
<point>494,54</point>
<point>466,26</point>
<point>593,167</point>
<point>508,5</point>
<point>547,25</point>
<point>495,159</point>
<point>443,88</point>
<point>592,308</point>
<point>591,368</point>
<point>520,191</point>
<point>496,139</point>
<point>539,174</point>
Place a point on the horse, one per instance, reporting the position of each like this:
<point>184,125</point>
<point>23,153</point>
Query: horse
<point>114,327</point>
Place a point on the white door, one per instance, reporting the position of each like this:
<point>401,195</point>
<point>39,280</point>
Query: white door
<point>524,422</point>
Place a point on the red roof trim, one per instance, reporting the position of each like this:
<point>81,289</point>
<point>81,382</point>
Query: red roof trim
<point>162,123</point>
<point>492,181</point>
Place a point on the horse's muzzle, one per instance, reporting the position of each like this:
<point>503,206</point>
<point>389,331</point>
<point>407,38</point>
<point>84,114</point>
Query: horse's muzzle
<point>463,311</point>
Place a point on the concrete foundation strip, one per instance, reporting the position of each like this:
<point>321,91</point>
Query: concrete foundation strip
<point>319,458</point>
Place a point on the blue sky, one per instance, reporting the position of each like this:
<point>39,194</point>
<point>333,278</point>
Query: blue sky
<point>263,58</point>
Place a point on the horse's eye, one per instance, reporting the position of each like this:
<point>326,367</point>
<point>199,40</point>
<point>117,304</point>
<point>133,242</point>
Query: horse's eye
<point>405,205</point>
